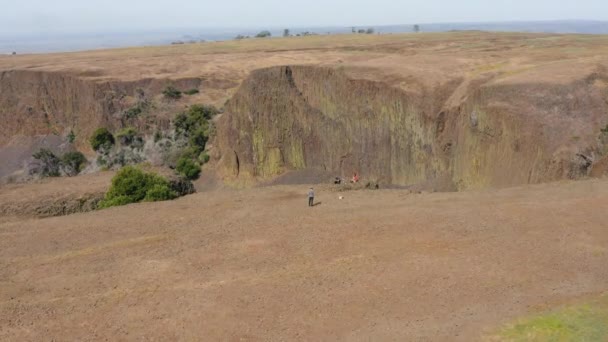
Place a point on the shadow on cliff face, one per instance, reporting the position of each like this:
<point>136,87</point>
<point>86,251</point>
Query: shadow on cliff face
<point>455,136</point>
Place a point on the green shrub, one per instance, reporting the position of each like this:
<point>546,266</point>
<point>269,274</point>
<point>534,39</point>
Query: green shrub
<point>172,93</point>
<point>159,192</point>
<point>71,137</point>
<point>49,163</point>
<point>73,163</point>
<point>133,112</point>
<point>102,140</point>
<point>198,140</point>
<point>132,185</point>
<point>188,168</point>
<point>203,158</point>
<point>127,136</point>
<point>195,118</point>
<point>192,91</point>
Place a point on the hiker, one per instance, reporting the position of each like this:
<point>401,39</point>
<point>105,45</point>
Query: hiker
<point>311,197</point>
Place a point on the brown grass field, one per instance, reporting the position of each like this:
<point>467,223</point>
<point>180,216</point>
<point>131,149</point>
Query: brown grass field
<point>258,264</point>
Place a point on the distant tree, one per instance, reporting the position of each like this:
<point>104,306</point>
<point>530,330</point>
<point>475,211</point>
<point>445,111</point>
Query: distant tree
<point>239,37</point>
<point>361,31</point>
<point>416,28</point>
<point>286,33</point>
<point>14,53</point>
<point>264,34</point>
<point>370,31</point>
<point>353,30</point>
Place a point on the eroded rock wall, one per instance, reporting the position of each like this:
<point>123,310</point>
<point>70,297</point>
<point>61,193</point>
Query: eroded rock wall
<point>486,134</point>
<point>38,103</point>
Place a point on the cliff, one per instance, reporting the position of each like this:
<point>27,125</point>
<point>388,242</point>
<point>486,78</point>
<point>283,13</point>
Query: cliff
<point>460,134</point>
<point>450,111</point>
<point>41,103</point>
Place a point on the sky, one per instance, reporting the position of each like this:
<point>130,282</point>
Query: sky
<point>76,16</point>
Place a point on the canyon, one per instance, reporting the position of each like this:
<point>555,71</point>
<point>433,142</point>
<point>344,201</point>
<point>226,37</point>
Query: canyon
<point>446,111</point>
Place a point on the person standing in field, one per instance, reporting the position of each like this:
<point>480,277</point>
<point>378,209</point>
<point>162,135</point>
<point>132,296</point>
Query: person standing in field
<point>311,197</point>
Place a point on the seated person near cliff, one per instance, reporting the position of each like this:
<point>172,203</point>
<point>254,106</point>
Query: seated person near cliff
<point>355,178</point>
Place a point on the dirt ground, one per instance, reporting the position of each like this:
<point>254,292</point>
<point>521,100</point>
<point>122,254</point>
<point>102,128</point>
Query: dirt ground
<point>259,264</point>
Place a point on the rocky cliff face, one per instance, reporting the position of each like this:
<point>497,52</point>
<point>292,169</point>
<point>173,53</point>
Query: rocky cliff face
<point>462,134</point>
<point>39,103</point>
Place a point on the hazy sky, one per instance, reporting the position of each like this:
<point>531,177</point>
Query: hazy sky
<point>31,16</point>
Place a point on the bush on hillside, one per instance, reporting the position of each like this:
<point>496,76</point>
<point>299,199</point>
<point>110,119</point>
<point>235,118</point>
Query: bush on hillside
<point>73,163</point>
<point>159,192</point>
<point>132,185</point>
<point>127,136</point>
<point>197,116</point>
<point>71,137</point>
<point>102,140</point>
<point>49,163</point>
<point>188,168</point>
<point>204,158</point>
<point>172,93</point>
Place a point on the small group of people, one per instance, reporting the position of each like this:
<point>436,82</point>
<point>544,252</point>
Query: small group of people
<point>337,181</point>
<point>355,179</point>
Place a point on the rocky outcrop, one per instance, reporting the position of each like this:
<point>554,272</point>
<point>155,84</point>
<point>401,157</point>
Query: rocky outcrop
<point>461,134</point>
<point>40,103</point>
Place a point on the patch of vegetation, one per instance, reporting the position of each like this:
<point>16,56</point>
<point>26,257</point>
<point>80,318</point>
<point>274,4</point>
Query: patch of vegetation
<point>263,34</point>
<point>605,130</point>
<point>158,136</point>
<point>370,31</point>
<point>102,140</point>
<point>73,163</point>
<point>132,185</point>
<point>192,91</point>
<point>172,93</point>
<point>71,137</point>
<point>128,136</point>
<point>49,163</point>
<point>579,323</point>
<point>203,158</point>
<point>132,112</point>
<point>195,126</point>
<point>188,168</point>
<point>142,106</point>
